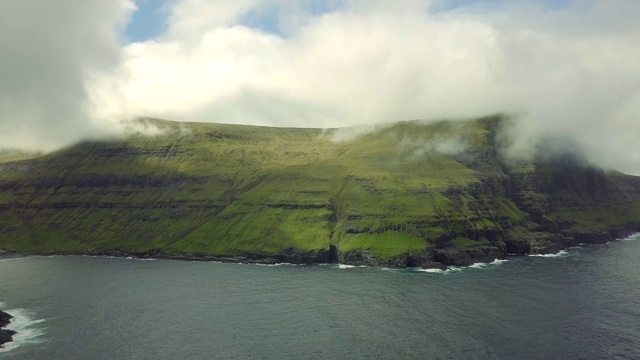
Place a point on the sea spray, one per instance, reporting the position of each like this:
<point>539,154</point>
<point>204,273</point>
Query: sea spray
<point>479,265</point>
<point>632,237</point>
<point>26,327</point>
<point>345,266</point>
<point>559,254</point>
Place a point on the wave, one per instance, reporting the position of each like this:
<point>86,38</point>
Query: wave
<point>632,237</point>
<point>16,258</point>
<point>450,269</point>
<point>561,253</point>
<point>116,257</point>
<point>345,266</point>
<point>26,327</point>
<point>434,271</point>
<point>482,265</point>
<point>277,264</point>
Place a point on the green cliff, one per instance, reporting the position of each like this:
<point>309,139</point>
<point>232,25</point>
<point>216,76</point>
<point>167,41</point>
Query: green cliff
<point>406,195</point>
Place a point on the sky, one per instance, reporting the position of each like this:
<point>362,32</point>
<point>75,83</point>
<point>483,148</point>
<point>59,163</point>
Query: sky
<point>75,69</point>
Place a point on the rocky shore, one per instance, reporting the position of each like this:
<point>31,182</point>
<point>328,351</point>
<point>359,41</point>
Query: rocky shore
<point>5,335</point>
<point>535,243</point>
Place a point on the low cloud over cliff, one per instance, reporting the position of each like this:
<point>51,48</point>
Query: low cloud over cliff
<point>51,51</point>
<point>565,68</point>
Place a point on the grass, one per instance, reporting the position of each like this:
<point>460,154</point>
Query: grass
<point>385,244</point>
<point>228,189</point>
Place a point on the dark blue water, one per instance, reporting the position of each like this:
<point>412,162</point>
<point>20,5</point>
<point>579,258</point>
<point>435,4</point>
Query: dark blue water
<point>584,304</point>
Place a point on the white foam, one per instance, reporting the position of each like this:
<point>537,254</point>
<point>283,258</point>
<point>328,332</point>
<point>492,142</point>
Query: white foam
<point>24,324</point>
<point>450,269</point>
<point>97,256</point>
<point>345,266</point>
<point>432,271</point>
<point>632,237</point>
<point>19,258</point>
<point>561,253</point>
<point>479,265</point>
<point>277,264</point>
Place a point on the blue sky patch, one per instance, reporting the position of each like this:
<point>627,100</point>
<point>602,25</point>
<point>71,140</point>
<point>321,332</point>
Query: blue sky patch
<point>148,22</point>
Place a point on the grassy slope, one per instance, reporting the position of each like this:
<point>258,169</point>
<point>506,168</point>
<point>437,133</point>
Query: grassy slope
<point>228,189</point>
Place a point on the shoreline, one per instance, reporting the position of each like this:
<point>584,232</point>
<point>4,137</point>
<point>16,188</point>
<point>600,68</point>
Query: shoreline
<point>437,259</point>
<point>6,335</point>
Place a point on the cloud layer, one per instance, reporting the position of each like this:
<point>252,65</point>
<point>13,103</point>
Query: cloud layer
<point>50,50</point>
<point>360,64</point>
<point>569,70</point>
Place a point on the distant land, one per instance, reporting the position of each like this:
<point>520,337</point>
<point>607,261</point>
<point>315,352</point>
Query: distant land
<point>410,194</point>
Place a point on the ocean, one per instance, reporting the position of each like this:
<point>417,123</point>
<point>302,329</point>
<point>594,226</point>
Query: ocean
<point>583,303</point>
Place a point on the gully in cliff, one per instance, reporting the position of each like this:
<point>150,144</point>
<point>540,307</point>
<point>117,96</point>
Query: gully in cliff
<point>5,335</point>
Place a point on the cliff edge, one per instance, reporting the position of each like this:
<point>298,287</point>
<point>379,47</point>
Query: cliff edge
<point>409,194</point>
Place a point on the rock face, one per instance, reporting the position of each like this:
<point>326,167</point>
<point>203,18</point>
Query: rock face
<point>5,335</point>
<point>407,195</point>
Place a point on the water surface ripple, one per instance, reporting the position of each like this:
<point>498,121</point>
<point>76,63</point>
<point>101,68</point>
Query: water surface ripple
<point>584,303</point>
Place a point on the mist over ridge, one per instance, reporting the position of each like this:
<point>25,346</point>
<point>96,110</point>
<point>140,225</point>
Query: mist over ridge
<point>564,71</point>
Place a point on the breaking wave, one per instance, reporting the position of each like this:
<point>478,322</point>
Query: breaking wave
<point>345,266</point>
<point>18,258</point>
<point>479,265</point>
<point>632,237</point>
<point>277,264</point>
<point>26,327</point>
<point>482,265</point>
<point>561,253</point>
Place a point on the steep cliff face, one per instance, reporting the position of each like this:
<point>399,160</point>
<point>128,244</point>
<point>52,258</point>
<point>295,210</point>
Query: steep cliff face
<point>407,195</point>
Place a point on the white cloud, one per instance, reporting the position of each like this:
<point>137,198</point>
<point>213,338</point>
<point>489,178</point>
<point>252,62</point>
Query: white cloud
<point>570,70</point>
<point>355,66</point>
<point>49,50</point>
<point>189,19</point>
<point>450,146</point>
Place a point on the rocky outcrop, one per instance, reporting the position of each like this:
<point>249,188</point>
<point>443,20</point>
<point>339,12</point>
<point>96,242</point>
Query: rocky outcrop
<point>5,335</point>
